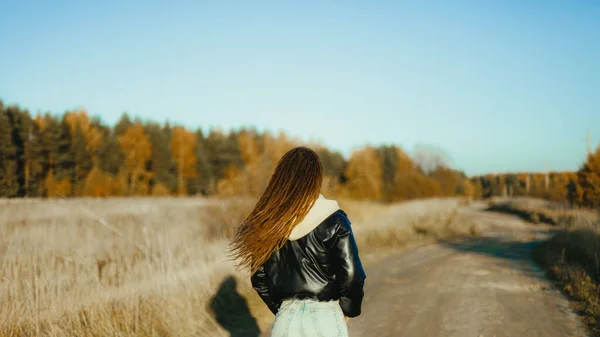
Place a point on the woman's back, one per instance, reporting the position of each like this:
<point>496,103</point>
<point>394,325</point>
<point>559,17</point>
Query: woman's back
<point>301,252</point>
<point>322,265</point>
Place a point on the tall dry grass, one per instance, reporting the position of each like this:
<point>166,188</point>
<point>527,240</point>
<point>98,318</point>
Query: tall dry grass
<point>381,227</point>
<point>156,267</point>
<point>544,211</point>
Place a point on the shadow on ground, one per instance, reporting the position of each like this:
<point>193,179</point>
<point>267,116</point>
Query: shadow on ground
<point>232,312</point>
<point>513,250</point>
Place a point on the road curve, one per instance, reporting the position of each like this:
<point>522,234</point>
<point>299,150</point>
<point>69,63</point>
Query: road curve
<point>484,287</point>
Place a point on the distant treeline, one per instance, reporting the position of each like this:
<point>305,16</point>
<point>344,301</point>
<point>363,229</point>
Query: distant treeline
<point>581,188</point>
<point>551,185</point>
<point>77,155</point>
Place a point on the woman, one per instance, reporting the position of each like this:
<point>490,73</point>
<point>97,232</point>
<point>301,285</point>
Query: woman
<point>301,252</point>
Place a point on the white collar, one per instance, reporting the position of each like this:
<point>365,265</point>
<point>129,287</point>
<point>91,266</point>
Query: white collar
<point>320,211</point>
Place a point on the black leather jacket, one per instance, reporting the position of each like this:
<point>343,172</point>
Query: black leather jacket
<point>323,265</point>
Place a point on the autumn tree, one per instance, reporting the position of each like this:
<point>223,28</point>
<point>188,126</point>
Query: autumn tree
<point>137,150</point>
<point>403,177</point>
<point>272,149</point>
<point>558,182</point>
<point>364,174</point>
<point>87,138</point>
<point>465,188</point>
<point>108,158</point>
<point>98,183</point>
<point>233,182</point>
<point>477,188</point>
<point>413,184</point>
<point>251,179</point>
<point>450,180</point>
<point>90,129</point>
<point>589,180</point>
<point>183,146</point>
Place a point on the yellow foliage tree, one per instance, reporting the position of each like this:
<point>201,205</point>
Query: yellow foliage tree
<point>92,135</point>
<point>450,180</point>
<point>403,162</point>
<point>98,184</point>
<point>467,189</point>
<point>477,189</point>
<point>259,165</point>
<point>413,185</point>
<point>364,174</point>
<point>230,184</point>
<point>183,145</point>
<point>254,177</point>
<point>160,190</point>
<point>137,149</point>
<point>589,180</point>
<point>56,188</point>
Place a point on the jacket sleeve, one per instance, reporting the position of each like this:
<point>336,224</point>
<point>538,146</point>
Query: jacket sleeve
<point>259,283</point>
<point>350,273</point>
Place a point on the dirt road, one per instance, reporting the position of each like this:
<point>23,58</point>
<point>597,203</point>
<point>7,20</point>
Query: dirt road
<point>485,287</point>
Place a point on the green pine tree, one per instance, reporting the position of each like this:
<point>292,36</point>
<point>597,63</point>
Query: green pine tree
<point>161,160</point>
<point>64,164</point>
<point>18,124</point>
<point>33,160</point>
<point>122,125</point>
<point>222,151</point>
<point>389,162</point>
<point>9,186</point>
<point>200,184</point>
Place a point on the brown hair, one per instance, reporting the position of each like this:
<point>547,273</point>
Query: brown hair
<point>291,192</point>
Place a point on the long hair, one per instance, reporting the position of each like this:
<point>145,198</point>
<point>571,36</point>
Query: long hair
<point>290,194</point>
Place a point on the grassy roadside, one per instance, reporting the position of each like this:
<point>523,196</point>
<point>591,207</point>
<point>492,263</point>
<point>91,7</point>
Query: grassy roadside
<point>567,262</point>
<point>444,225</point>
<point>571,258</point>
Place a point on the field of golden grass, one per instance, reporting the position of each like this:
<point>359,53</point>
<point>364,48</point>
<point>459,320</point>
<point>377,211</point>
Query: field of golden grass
<point>159,267</point>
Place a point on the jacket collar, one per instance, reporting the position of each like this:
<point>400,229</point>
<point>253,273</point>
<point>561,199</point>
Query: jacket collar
<point>320,211</point>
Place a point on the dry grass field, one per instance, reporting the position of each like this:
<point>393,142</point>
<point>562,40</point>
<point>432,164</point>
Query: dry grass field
<point>159,267</point>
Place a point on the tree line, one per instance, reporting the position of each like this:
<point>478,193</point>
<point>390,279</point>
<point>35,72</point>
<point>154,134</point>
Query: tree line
<point>74,155</point>
<point>580,188</point>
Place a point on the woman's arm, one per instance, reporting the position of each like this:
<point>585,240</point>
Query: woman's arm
<point>350,273</point>
<point>259,283</point>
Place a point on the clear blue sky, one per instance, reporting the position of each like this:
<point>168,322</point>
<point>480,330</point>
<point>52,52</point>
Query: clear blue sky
<point>512,86</point>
